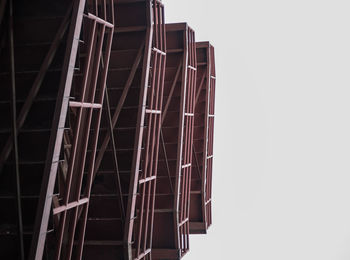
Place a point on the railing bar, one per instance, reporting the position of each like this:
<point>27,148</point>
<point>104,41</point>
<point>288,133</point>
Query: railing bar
<point>70,206</point>
<point>158,51</point>
<point>60,235</point>
<point>147,216</point>
<point>104,10</point>
<point>189,114</point>
<point>112,10</point>
<point>151,111</point>
<point>138,247</point>
<point>98,20</point>
<point>148,179</point>
<point>72,234</point>
<point>87,127</point>
<point>77,128</point>
<point>84,104</point>
<point>185,165</point>
<point>95,140</point>
<point>160,90</point>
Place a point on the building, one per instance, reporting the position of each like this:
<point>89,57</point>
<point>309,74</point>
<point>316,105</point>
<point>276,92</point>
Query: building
<point>98,136</point>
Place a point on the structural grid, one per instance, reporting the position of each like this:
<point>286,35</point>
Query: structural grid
<point>200,212</point>
<point>106,131</point>
<point>174,174</point>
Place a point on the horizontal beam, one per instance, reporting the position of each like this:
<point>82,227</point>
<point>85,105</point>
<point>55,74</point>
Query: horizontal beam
<point>103,243</point>
<point>84,105</point>
<point>159,253</point>
<point>70,206</point>
<point>198,228</point>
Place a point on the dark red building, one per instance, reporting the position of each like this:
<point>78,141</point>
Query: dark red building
<point>100,131</point>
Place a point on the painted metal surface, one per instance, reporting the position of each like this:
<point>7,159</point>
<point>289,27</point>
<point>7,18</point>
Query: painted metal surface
<point>55,190</point>
<point>210,151</point>
<point>33,67</point>
<point>174,174</point>
<point>200,212</point>
<point>83,107</point>
<point>96,139</point>
<point>120,221</point>
<point>145,200</point>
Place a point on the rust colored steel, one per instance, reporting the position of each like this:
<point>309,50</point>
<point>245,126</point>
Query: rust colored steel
<point>106,126</point>
<point>60,96</point>
<point>171,227</point>
<point>200,212</point>
<point>120,219</point>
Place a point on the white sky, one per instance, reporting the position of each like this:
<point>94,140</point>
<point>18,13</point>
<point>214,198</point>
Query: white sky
<point>282,134</point>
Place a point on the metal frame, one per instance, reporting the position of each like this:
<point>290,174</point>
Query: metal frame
<point>143,228</point>
<point>130,220</point>
<point>210,141</point>
<point>70,205</point>
<point>175,165</point>
<point>116,163</point>
<point>200,213</point>
<point>15,156</point>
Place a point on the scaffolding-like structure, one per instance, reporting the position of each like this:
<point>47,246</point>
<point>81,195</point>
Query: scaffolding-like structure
<point>98,104</point>
<point>56,77</point>
<point>174,175</point>
<point>120,218</point>
<point>200,212</point>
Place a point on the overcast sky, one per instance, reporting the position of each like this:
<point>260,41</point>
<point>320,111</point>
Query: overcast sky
<point>281,185</point>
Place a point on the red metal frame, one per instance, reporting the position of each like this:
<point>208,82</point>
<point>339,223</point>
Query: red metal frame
<point>70,204</point>
<point>126,164</point>
<point>143,228</point>
<point>35,62</point>
<point>210,141</point>
<point>173,194</point>
<point>89,98</point>
<point>200,212</point>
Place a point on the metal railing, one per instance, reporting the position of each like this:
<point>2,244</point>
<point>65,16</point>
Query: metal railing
<point>210,134</point>
<point>187,142</point>
<point>143,228</point>
<point>82,103</point>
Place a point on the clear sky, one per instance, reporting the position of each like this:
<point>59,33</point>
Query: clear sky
<point>281,185</point>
